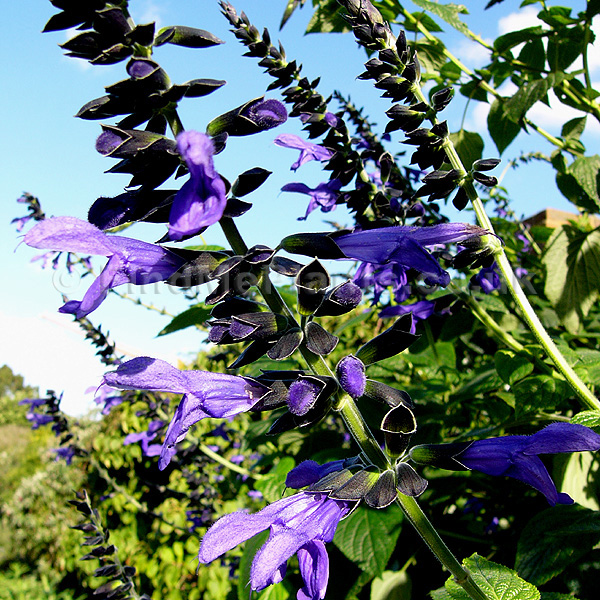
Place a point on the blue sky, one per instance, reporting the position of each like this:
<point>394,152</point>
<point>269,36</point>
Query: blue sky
<point>49,153</point>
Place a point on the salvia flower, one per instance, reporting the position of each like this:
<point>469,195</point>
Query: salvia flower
<point>406,245</point>
<point>299,524</point>
<point>324,196</point>
<point>66,453</point>
<point>420,310</point>
<point>130,261</point>
<point>515,456</point>
<point>202,199</point>
<point>351,375</point>
<point>308,150</point>
<point>252,117</point>
<point>145,437</point>
<point>487,278</point>
<point>206,394</point>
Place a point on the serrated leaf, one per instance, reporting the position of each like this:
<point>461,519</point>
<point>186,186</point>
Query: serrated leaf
<point>368,537</point>
<point>589,418</point>
<point>514,38</point>
<point>442,594</point>
<point>447,12</point>
<point>540,392</point>
<point>554,539</point>
<point>512,367</point>
<point>195,315</point>
<point>573,129</point>
<point>496,581</point>
<point>469,146</point>
<point>502,129</point>
<point>572,261</point>
<point>586,170</point>
<point>526,96</point>
<point>327,19</point>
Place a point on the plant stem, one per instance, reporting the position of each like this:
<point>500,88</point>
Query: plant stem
<point>357,426</point>
<point>586,397</point>
<point>431,537</point>
<point>227,463</point>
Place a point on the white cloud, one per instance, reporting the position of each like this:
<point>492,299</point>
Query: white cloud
<point>519,20</point>
<point>50,356</point>
<point>472,54</point>
<point>150,11</point>
<point>50,351</point>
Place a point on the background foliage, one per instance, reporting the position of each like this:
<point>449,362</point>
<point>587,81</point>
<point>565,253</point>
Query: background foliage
<point>476,371</point>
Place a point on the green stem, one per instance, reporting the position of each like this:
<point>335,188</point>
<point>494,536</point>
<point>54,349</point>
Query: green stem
<point>586,397</point>
<point>360,431</point>
<point>484,84</point>
<point>357,426</point>
<point>228,464</point>
<point>431,537</point>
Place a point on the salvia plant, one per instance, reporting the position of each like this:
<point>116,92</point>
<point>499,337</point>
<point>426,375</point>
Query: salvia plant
<point>336,415</point>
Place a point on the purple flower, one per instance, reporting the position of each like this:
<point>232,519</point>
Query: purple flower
<point>381,277</point>
<point>405,245</point>
<point>310,471</point>
<point>421,310</point>
<point>130,261</point>
<point>145,437</point>
<point>202,199</point>
<point>38,420</point>
<point>300,524</point>
<point>33,402</point>
<point>265,114</point>
<point>488,279</point>
<point>66,453</point>
<point>515,455</point>
<point>324,195</point>
<point>206,394</point>
<point>308,151</point>
<point>103,395</point>
<point>351,375</point>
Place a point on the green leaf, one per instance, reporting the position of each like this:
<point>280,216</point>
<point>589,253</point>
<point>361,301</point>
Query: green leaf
<point>469,146</point>
<point>573,129</point>
<point>554,539</point>
<point>572,261</point>
<point>586,170</point>
<point>589,418</point>
<point>496,581</point>
<point>579,476</point>
<point>279,591</point>
<point>533,54</point>
<point>564,46</point>
<point>327,19</point>
<point>514,38</point>
<point>516,107</point>
<point>195,315</point>
<point>273,484</point>
<point>540,392</point>
<point>250,549</point>
<point>502,129</point>
<point>447,12</point>
<point>431,54</point>
<point>368,537</point>
<point>391,585</point>
<point>512,367</point>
